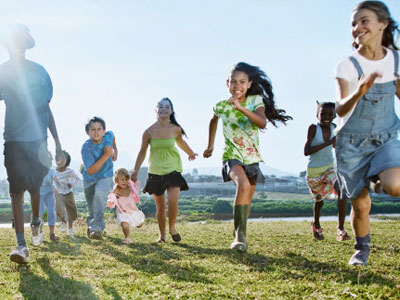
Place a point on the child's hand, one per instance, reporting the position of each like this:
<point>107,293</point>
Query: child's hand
<point>193,156</point>
<point>235,102</point>
<point>114,156</point>
<point>366,82</point>
<point>69,185</point>
<point>208,152</point>
<point>108,151</point>
<point>110,204</point>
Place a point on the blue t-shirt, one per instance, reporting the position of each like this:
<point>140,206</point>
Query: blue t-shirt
<point>26,89</point>
<point>92,152</point>
<point>47,184</point>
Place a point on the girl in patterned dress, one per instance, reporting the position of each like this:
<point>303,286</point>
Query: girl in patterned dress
<point>321,175</point>
<point>247,111</point>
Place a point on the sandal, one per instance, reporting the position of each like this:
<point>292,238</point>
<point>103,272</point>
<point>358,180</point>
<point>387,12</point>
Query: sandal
<point>317,232</point>
<point>161,240</point>
<point>127,241</point>
<point>176,237</point>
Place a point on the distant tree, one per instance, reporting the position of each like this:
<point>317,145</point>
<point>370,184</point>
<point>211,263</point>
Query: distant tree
<point>148,206</point>
<point>221,207</point>
<point>195,173</point>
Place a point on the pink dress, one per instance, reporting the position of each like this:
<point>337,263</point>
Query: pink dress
<point>127,210</point>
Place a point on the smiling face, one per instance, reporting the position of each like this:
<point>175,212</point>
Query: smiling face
<point>96,132</point>
<point>164,109</point>
<point>325,115</point>
<point>238,85</point>
<point>366,28</point>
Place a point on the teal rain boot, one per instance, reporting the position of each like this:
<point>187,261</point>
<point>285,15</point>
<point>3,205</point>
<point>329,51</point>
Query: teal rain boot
<point>240,214</point>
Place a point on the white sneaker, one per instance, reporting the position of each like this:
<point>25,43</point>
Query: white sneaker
<point>20,255</point>
<point>37,234</point>
<point>71,232</point>
<point>63,227</point>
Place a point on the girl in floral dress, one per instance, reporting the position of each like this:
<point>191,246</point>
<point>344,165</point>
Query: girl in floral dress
<point>243,115</point>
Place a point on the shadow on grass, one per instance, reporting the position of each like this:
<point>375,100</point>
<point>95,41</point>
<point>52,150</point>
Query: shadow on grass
<point>295,266</point>
<point>69,247</point>
<point>154,259</point>
<point>33,287</point>
<point>112,291</point>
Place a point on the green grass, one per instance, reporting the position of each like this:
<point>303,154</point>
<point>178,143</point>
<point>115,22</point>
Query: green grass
<point>283,262</point>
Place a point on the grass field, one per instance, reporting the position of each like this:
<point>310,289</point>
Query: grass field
<point>283,262</point>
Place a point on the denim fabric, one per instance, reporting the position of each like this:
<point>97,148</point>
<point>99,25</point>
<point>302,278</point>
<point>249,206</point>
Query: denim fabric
<point>367,144</point>
<point>47,200</point>
<point>96,198</point>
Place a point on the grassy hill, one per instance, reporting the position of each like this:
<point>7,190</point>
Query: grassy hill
<point>283,262</point>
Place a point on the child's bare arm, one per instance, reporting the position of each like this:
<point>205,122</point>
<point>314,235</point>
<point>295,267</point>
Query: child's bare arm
<point>212,130</point>
<point>141,155</point>
<point>308,149</point>
<point>108,151</point>
<point>184,146</point>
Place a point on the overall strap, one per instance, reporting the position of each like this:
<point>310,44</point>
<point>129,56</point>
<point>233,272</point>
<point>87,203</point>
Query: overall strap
<point>357,66</point>
<point>396,63</point>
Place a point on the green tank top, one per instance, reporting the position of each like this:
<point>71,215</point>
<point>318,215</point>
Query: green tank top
<point>164,157</point>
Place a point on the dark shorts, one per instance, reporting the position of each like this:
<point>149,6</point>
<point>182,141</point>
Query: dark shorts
<point>253,171</point>
<point>158,184</point>
<point>27,163</point>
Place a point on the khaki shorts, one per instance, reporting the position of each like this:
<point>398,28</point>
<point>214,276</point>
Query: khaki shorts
<point>65,206</point>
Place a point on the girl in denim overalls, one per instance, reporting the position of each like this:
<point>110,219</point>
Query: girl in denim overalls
<point>366,143</point>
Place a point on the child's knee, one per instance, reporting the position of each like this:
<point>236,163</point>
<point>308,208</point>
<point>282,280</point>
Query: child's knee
<point>393,189</point>
<point>244,186</point>
<point>361,207</point>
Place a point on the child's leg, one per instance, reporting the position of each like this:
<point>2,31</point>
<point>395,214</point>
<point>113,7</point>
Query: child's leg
<point>49,201</point>
<point>60,208</point>
<point>88,189</point>
<point>70,206</point>
<point>125,229</point>
<point>161,218</point>
<point>35,204</point>
<point>390,181</point>
<point>317,207</point>
<point>173,196</point>
<point>360,221</point>
<point>102,189</point>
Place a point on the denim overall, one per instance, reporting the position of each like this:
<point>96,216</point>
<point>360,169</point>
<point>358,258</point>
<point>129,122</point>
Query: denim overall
<point>367,144</point>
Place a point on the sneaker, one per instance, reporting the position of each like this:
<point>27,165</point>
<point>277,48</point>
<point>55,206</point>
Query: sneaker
<point>53,237</point>
<point>96,235</point>
<point>63,227</point>
<point>360,257</point>
<point>71,232</point>
<point>37,234</point>
<point>317,232</point>
<point>342,235</point>
<point>20,255</point>
<point>127,241</point>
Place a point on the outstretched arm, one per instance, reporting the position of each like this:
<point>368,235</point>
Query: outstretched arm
<point>54,133</point>
<point>346,102</point>
<point>258,117</point>
<point>308,149</point>
<point>211,136</point>
<point>146,138</point>
<point>184,146</point>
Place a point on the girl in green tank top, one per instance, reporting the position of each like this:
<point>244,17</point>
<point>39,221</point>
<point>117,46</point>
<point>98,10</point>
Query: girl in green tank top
<point>165,165</point>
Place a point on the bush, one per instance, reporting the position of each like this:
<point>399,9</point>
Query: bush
<point>222,206</point>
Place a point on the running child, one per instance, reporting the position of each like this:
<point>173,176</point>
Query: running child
<point>247,111</point>
<point>64,180</point>
<point>98,154</point>
<point>367,147</point>
<point>125,196</point>
<point>165,165</point>
<point>321,175</point>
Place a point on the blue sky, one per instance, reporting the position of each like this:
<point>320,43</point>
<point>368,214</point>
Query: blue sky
<point>116,59</point>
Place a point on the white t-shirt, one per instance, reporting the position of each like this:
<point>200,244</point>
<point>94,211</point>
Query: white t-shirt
<point>345,69</point>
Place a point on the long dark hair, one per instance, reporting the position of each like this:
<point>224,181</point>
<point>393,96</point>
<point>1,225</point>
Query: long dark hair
<point>172,116</point>
<point>261,85</point>
<point>383,14</point>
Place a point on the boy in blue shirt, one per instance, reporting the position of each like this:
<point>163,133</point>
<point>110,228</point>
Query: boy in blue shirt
<point>26,89</point>
<point>98,154</point>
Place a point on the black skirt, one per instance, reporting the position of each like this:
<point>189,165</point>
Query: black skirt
<point>158,184</point>
<point>253,171</point>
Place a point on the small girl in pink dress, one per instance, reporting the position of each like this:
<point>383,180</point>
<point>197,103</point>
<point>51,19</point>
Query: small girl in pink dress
<point>125,196</point>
